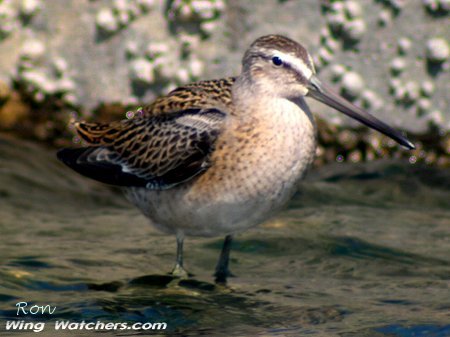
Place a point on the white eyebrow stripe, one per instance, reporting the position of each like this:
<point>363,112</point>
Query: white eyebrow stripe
<point>296,63</point>
<point>311,62</point>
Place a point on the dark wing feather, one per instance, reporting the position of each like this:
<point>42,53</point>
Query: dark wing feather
<point>157,152</point>
<point>86,162</point>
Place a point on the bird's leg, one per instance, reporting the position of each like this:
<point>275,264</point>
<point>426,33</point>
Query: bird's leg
<point>222,271</point>
<point>178,270</point>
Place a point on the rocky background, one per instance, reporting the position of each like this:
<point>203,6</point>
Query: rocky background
<point>98,59</point>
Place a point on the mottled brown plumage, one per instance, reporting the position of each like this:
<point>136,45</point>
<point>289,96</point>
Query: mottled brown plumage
<point>169,142</point>
<point>160,151</point>
<point>203,94</point>
<point>218,157</point>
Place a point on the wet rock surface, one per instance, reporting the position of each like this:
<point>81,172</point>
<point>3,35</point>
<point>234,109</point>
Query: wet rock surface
<point>68,56</point>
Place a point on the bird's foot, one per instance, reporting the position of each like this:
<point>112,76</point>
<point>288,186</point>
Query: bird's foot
<point>221,275</point>
<point>179,272</point>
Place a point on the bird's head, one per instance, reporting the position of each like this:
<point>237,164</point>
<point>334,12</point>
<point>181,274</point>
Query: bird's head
<point>280,67</point>
<point>283,66</point>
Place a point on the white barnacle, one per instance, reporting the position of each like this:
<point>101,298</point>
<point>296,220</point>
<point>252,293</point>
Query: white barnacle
<point>355,29</point>
<point>32,49</point>
<point>437,50</point>
<point>106,21</point>
<point>398,65</point>
<point>29,8</point>
<point>352,84</point>
<point>141,70</point>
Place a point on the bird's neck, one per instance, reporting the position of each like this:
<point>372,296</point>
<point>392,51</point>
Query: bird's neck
<point>246,91</point>
<point>252,98</point>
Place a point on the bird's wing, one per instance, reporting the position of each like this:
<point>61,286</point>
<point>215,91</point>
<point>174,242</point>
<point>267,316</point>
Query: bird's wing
<point>206,94</point>
<point>157,152</point>
<point>168,144</point>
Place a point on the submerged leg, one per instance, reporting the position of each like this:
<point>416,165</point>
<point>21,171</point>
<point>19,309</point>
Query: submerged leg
<point>222,271</point>
<point>178,270</point>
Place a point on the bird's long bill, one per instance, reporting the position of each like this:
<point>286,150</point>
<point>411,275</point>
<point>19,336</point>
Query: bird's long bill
<point>324,94</point>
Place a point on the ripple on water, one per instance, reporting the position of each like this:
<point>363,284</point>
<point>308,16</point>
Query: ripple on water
<point>416,330</point>
<point>362,250</point>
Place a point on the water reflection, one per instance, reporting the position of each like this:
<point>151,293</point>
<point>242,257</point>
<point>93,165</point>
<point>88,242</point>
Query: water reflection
<point>363,250</point>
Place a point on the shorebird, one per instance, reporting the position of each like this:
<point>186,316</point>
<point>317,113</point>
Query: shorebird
<point>218,157</point>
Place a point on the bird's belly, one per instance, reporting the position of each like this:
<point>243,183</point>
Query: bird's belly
<point>247,183</point>
<point>207,217</point>
<point>233,205</point>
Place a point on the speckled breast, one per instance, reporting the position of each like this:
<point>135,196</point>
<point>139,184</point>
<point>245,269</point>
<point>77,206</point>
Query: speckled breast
<point>255,169</point>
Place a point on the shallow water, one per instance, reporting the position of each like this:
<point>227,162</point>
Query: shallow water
<point>363,250</point>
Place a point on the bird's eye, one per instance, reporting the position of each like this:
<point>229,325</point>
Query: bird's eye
<point>277,61</point>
